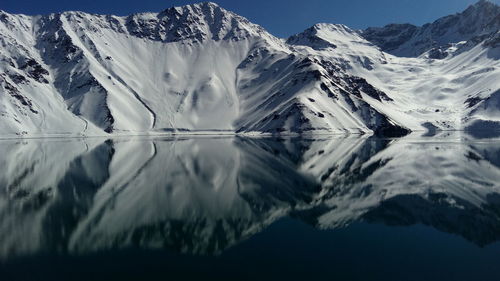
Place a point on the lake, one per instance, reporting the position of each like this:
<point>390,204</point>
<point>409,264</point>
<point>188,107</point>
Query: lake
<point>243,208</point>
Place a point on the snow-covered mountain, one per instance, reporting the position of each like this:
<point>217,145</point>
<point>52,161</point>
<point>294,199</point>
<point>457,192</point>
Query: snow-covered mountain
<point>457,91</point>
<point>476,23</point>
<point>201,68</point>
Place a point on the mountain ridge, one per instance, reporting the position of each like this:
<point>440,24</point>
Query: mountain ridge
<point>201,68</point>
<point>481,18</point>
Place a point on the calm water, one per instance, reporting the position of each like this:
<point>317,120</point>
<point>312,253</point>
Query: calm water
<point>231,208</point>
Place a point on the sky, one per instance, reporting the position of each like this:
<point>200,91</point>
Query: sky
<point>280,17</point>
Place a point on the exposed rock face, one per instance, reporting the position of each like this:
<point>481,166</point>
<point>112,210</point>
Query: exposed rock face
<point>481,19</point>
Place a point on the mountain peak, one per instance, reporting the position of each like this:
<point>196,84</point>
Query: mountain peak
<point>478,22</point>
<point>209,4</point>
<point>323,25</point>
<point>330,27</point>
<point>197,8</point>
<point>322,36</point>
<point>482,6</point>
<point>310,37</point>
<point>484,3</point>
<point>194,23</point>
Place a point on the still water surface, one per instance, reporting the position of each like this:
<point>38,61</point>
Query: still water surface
<point>233,208</point>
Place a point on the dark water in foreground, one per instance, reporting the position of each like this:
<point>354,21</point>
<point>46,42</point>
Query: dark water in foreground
<point>231,208</point>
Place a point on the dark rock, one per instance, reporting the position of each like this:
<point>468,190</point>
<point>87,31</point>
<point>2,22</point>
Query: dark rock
<point>35,70</point>
<point>472,101</point>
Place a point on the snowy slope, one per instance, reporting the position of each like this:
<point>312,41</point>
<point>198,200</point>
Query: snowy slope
<point>457,92</point>
<point>200,68</point>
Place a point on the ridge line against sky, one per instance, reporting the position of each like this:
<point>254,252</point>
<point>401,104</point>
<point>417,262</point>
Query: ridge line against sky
<point>280,17</point>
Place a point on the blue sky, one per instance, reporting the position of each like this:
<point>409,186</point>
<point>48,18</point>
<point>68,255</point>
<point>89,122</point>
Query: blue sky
<point>280,17</point>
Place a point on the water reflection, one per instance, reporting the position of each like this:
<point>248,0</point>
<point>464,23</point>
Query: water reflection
<point>203,195</point>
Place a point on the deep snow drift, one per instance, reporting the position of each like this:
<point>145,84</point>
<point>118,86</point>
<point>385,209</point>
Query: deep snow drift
<point>200,68</point>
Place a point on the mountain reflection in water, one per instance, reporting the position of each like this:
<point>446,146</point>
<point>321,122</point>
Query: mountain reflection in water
<point>203,195</point>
